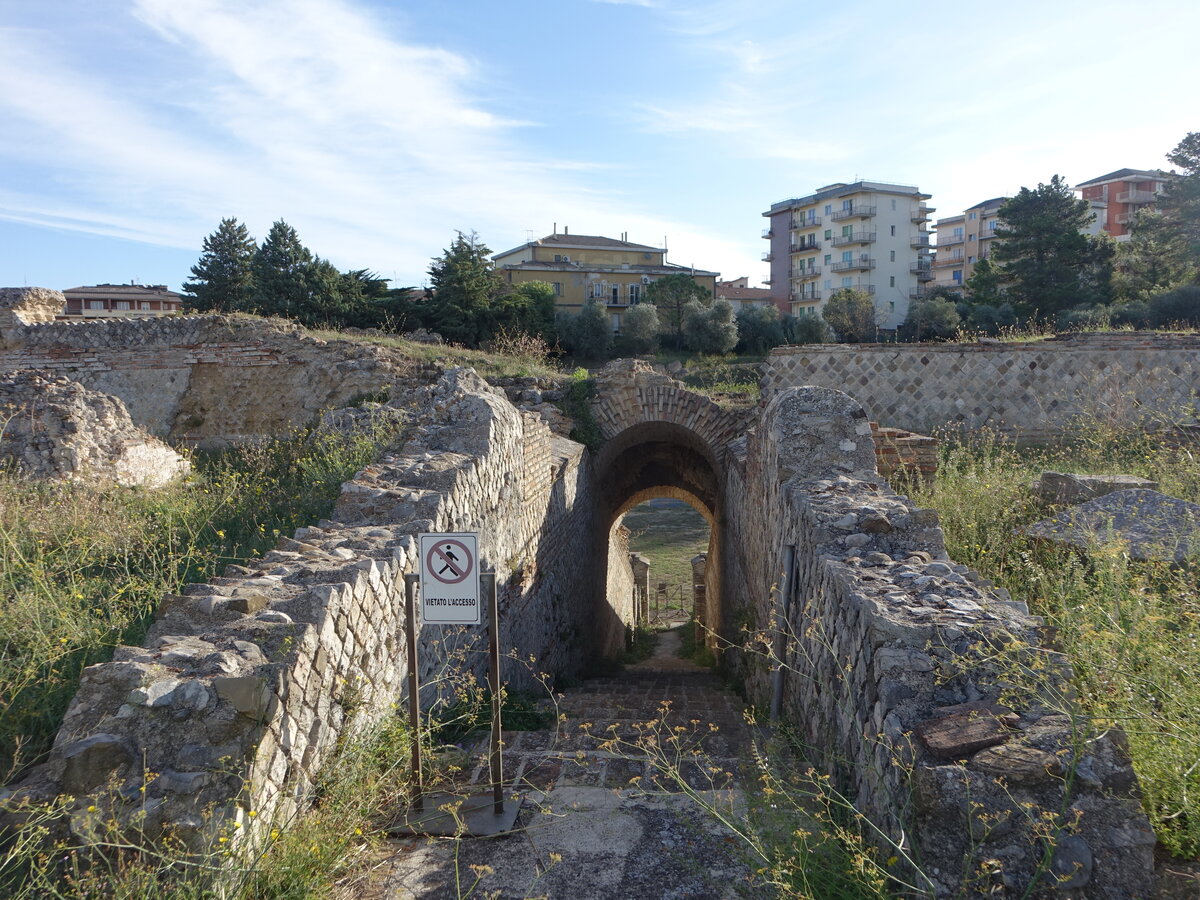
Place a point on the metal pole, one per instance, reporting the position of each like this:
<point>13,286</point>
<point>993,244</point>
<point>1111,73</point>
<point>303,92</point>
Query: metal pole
<point>488,583</point>
<point>411,579</point>
<point>782,609</point>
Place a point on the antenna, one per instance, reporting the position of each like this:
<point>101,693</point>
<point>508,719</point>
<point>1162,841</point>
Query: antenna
<point>529,235</point>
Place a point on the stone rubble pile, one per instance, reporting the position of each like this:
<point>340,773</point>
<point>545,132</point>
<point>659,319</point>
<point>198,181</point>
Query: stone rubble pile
<point>56,429</point>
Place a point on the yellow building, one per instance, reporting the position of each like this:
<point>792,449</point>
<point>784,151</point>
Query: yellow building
<point>583,266</point>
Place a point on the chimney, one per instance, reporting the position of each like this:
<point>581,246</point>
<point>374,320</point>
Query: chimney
<point>566,231</point>
<point>556,229</point>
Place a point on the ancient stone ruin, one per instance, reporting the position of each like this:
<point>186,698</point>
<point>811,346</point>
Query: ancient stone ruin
<point>925,693</point>
<point>56,429</point>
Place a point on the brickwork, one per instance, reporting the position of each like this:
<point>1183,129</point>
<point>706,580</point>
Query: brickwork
<point>900,452</point>
<point>1032,391</point>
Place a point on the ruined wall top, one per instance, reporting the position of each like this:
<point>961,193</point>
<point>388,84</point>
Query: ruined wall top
<point>28,306</point>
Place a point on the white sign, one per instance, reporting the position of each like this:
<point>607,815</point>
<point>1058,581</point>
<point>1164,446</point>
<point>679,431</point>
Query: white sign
<point>450,579</point>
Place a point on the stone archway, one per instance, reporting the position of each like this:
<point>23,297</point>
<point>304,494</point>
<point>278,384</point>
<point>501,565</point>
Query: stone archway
<point>662,440</point>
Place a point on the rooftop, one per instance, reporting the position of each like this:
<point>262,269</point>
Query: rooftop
<point>840,190</point>
<point>123,290</point>
<point>1124,175</point>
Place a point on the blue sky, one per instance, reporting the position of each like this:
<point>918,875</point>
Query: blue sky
<point>129,128</point>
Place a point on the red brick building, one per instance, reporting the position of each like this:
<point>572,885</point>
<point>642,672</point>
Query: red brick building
<point>1118,196</point>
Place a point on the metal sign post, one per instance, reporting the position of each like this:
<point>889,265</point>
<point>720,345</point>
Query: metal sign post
<point>452,588</point>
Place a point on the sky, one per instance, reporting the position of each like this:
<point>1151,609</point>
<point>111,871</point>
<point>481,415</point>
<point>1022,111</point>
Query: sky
<point>130,128</point>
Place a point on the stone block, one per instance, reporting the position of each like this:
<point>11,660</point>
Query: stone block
<point>960,735</point>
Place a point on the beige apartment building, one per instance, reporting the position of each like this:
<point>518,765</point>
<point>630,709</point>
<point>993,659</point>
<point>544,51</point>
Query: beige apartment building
<point>868,235</point>
<point>584,266</point>
<point>963,240</point>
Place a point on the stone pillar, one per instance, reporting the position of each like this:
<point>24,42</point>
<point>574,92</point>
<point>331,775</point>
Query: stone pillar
<point>699,610</point>
<point>641,588</point>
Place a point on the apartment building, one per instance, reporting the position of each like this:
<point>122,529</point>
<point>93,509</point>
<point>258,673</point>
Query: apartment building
<point>116,300</point>
<point>963,240</point>
<point>867,235</point>
<point>583,266</point>
<point>1117,196</point>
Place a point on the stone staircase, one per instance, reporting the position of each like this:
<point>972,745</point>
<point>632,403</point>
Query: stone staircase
<point>613,799</point>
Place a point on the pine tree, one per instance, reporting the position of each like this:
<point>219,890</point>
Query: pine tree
<point>222,279</point>
<point>1180,200</point>
<point>1047,262</point>
<point>281,274</point>
<point>1155,259</point>
<point>465,285</point>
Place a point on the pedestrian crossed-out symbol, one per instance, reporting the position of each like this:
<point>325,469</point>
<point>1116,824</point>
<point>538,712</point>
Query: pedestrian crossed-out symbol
<point>449,561</point>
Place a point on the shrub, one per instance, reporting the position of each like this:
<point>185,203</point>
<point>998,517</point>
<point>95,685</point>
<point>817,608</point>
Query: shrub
<point>852,316</point>
<point>759,329</point>
<point>927,319</point>
<point>709,329</point>
<point>639,330</point>
<point>1177,308</point>
<point>808,328</point>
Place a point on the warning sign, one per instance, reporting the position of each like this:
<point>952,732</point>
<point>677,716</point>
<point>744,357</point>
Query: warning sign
<point>450,579</point>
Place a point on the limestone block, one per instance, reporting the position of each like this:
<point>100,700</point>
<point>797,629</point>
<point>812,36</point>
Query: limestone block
<point>1067,488</point>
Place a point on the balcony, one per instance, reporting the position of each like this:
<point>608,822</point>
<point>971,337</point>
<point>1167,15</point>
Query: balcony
<point>945,240</point>
<point>768,256</point>
<point>1135,196</point>
<point>917,293</point>
<point>806,296</point>
<point>807,247</point>
<point>922,213</point>
<point>862,286</point>
<point>852,213</point>
<point>768,232</point>
<point>814,222</point>
<point>807,274</point>
<point>863,263</point>
<point>854,237</point>
<point>919,241</point>
<point>923,271</point>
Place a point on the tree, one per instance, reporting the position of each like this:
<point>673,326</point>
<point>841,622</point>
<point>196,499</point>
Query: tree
<point>806,328</point>
<point>1180,200</point>
<point>222,279</point>
<point>759,329</point>
<point>983,287</point>
<point>1044,257</point>
<point>591,331</point>
<point>711,328</point>
<point>639,330</point>
<point>930,319</point>
<point>464,284</point>
<point>1155,259</point>
<point>669,295</point>
<point>528,309</point>
<point>281,274</point>
<point>851,314</point>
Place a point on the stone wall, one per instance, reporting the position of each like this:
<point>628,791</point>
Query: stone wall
<point>895,660</point>
<point>1033,391</point>
<point>54,428</point>
<point>243,686</point>
<point>620,588</point>
<point>208,380</point>
<point>28,306</point>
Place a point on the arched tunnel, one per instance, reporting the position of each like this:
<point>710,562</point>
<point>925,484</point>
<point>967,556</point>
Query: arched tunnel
<point>651,460</point>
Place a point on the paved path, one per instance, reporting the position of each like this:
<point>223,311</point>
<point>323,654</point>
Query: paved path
<point>611,802</point>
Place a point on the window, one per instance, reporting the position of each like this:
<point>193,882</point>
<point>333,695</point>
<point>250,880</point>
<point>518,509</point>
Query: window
<point>891,306</point>
<point>616,322</point>
<point>635,294</point>
<point>957,276</point>
<point>828,208</point>
<point>597,289</point>
<point>847,282</point>
<point>121,304</point>
<point>847,256</point>
<point>970,237</point>
<point>958,234</point>
<point>970,259</point>
<point>893,231</point>
<point>847,205</point>
<point>991,226</point>
<point>558,257</point>
<point>893,259</point>
<point>828,284</point>
<point>95,304</point>
<point>828,258</point>
<point>958,254</point>
<point>893,204</point>
<point>891,281</point>
<point>558,289</point>
<point>846,231</point>
<point>828,233</point>
<point>616,293</point>
<point>971,216</point>
<point>143,304</point>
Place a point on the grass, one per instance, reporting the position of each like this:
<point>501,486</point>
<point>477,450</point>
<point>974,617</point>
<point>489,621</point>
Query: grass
<point>1131,629</point>
<point>668,533</point>
<point>82,569</point>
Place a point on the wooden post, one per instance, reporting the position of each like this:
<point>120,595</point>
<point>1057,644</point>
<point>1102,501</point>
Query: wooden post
<point>488,583</point>
<point>411,579</point>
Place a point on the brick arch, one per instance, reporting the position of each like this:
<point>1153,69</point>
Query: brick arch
<point>631,394</point>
